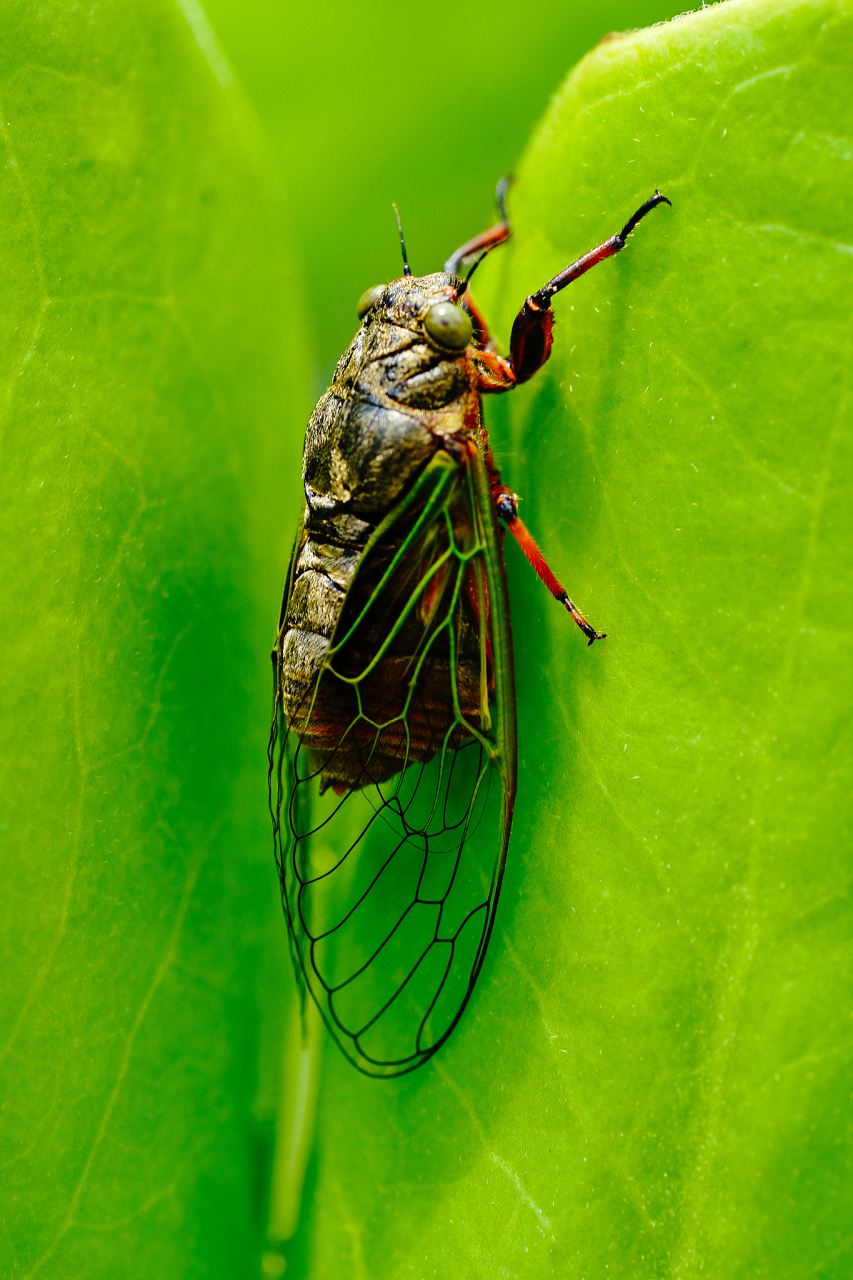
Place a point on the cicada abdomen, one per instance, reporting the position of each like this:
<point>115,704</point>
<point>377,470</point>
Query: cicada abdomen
<point>396,782</point>
<point>389,693</point>
<point>393,751</point>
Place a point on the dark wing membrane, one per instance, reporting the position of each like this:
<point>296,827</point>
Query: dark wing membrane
<point>392,791</point>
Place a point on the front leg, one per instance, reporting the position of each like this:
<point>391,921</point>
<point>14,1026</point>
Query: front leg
<point>530,347</point>
<point>530,343</point>
<point>483,243</point>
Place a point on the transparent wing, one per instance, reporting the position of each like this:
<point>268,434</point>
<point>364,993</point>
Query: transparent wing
<point>392,790</point>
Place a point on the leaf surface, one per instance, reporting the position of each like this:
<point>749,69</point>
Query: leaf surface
<point>654,1076</point>
<point>150,377</point>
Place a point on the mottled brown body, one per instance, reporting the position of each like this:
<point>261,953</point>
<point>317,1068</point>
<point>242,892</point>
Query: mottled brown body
<point>396,398</point>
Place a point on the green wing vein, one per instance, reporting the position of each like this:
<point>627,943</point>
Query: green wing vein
<point>392,789</point>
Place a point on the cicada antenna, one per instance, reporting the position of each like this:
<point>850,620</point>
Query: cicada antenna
<point>407,270</point>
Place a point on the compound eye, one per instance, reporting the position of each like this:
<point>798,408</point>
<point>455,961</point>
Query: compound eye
<point>369,299</point>
<point>448,325</point>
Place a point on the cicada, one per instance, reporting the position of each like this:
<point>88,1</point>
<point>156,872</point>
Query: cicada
<point>393,745</point>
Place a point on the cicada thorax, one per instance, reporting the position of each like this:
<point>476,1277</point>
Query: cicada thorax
<point>380,647</point>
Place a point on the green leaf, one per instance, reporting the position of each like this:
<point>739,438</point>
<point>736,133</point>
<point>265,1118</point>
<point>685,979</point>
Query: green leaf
<point>152,396</point>
<point>653,1078</point>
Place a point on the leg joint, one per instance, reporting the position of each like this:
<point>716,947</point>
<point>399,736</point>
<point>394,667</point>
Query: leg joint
<point>506,507</point>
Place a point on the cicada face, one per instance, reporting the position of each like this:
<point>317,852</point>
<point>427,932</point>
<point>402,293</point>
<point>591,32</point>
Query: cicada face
<point>397,392</point>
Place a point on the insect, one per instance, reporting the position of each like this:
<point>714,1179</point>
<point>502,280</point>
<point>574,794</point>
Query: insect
<point>393,744</point>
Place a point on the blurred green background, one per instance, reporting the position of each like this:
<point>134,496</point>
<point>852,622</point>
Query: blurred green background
<point>425,105</point>
<point>654,1077</point>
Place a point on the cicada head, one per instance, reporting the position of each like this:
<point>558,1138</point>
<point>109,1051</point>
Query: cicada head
<point>428,305</point>
<point>412,351</point>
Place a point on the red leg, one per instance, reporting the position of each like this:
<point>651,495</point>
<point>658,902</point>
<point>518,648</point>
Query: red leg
<point>486,240</point>
<point>505,503</point>
<point>477,248</point>
<point>530,344</point>
<point>481,328</point>
<point>525,540</point>
<point>481,244</point>
<point>494,373</point>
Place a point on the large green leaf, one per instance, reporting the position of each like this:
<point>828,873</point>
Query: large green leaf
<point>654,1078</point>
<point>150,383</point>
